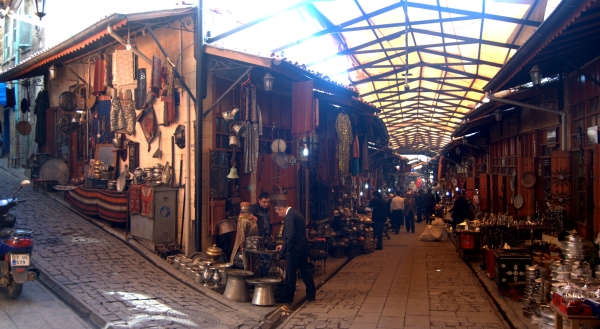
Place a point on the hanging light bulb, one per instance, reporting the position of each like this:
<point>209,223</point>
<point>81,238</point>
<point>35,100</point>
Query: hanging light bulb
<point>361,193</point>
<point>305,151</point>
<point>128,45</point>
<point>366,185</point>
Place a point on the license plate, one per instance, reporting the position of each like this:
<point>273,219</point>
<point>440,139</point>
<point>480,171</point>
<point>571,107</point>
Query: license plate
<point>19,260</point>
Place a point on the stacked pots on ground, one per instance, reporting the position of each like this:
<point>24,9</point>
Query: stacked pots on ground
<point>537,287</point>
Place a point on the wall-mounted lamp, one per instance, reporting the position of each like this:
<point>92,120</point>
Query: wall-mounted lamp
<point>268,81</point>
<point>52,72</point>
<point>40,13</point>
<point>536,75</point>
<point>498,115</point>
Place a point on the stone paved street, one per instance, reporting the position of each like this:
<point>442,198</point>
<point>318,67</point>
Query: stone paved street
<point>409,284</point>
<point>120,288</point>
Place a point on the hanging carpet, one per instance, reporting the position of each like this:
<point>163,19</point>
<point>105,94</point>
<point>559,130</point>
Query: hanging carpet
<point>303,110</point>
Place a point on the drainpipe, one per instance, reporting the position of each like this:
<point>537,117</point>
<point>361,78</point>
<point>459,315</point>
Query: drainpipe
<point>563,115</point>
<point>199,49</point>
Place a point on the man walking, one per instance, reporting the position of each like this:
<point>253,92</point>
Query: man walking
<point>379,214</point>
<point>410,210</point>
<point>397,208</point>
<point>428,205</point>
<point>295,251</point>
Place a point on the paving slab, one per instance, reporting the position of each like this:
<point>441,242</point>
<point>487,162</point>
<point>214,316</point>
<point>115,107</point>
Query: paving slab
<point>408,284</point>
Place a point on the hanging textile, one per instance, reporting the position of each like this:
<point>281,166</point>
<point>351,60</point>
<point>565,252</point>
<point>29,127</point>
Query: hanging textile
<point>252,118</point>
<point>117,116</point>
<point>135,199</point>
<point>124,73</point>
<point>99,76</point>
<point>108,73</point>
<point>3,93</point>
<point>365,153</point>
<point>140,91</point>
<point>147,201</point>
<point>327,172</point>
<point>344,135</point>
<point>166,95</point>
<point>11,99</point>
<point>303,111</point>
<point>147,120</point>
<point>354,163</point>
<point>42,103</point>
<point>155,78</point>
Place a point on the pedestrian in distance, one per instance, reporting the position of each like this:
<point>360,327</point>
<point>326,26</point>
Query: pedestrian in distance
<point>397,209</point>
<point>428,205</point>
<point>379,210</point>
<point>410,210</point>
<point>295,251</point>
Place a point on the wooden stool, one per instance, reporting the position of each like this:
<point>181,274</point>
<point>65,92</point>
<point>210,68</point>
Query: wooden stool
<point>13,162</point>
<point>38,182</point>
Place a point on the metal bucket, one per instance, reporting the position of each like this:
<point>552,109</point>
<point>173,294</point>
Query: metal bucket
<point>227,226</point>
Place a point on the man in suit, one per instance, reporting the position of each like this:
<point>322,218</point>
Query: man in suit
<point>295,251</point>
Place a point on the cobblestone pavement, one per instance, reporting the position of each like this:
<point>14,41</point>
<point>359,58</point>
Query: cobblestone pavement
<point>408,284</point>
<point>102,274</point>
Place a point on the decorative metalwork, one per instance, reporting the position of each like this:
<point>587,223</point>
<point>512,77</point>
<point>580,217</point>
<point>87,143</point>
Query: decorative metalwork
<point>215,65</point>
<point>514,273</point>
<point>561,177</point>
<point>560,199</point>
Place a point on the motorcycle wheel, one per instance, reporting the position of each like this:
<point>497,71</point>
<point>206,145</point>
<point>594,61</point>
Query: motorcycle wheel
<point>14,290</point>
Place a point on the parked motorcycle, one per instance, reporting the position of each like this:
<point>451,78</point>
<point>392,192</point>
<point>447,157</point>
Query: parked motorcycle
<point>16,245</point>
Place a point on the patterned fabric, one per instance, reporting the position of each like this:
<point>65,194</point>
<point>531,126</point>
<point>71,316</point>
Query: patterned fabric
<point>303,112</point>
<point>328,166</point>
<point>135,199</point>
<point>166,95</point>
<point>147,194</point>
<point>156,74</point>
<point>117,116</point>
<point>147,120</point>
<point>108,205</point>
<point>124,76</point>
<point>344,135</point>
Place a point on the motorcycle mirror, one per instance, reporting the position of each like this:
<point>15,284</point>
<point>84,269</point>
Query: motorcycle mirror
<point>25,183</point>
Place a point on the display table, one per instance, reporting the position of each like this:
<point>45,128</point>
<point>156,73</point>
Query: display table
<point>108,205</point>
<point>576,320</point>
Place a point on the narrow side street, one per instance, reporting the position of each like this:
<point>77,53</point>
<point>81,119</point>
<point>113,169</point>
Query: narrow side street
<point>118,287</point>
<point>409,284</point>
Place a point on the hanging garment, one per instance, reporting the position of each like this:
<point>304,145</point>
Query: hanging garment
<point>155,78</point>
<point>99,73</point>
<point>124,74</point>
<point>365,156</point>
<point>327,172</point>
<point>11,100</point>
<point>166,95</point>
<point>303,114</point>
<point>117,116</point>
<point>108,73</point>
<point>344,134</point>
<point>140,91</point>
<point>42,103</point>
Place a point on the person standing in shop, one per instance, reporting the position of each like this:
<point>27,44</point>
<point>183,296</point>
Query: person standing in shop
<point>410,210</point>
<point>460,209</point>
<point>397,209</point>
<point>260,215</point>
<point>295,251</point>
<point>379,216</point>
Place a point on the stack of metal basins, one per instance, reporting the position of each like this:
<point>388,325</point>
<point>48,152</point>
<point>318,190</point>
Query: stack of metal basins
<point>573,248</point>
<point>536,287</point>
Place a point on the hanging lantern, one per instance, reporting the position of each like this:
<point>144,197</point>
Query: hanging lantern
<point>40,13</point>
<point>268,81</point>
<point>536,75</point>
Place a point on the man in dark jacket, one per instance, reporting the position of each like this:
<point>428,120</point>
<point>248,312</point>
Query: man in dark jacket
<point>419,202</point>
<point>295,251</point>
<point>260,214</point>
<point>380,211</point>
<point>428,205</point>
<point>460,210</point>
